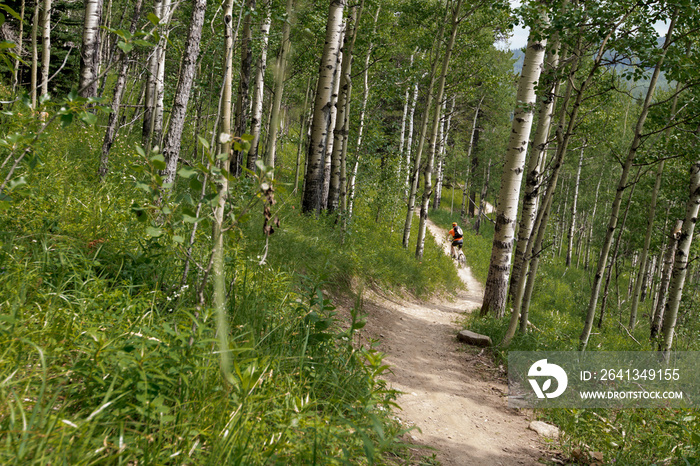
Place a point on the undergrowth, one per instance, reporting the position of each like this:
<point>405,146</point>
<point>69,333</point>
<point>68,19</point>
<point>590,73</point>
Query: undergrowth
<point>107,357</point>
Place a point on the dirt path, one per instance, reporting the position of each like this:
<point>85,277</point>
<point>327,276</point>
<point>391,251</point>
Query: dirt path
<point>451,393</point>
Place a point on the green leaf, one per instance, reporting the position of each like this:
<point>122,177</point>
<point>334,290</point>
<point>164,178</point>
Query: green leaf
<point>187,172</point>
<point>248,137</point>
<point>12,12</point>
<point>195,184</point>
<point>203,142</point>
<point>153,19</point>
<point>178,239</point>
<point>143,43</point>
<point>154,232</point>
<point>89,118</point>
<point>17,183</point>
<point>66,119</point>
<point>158,161</point>
<point>140,150</point>
<point>125,46</point>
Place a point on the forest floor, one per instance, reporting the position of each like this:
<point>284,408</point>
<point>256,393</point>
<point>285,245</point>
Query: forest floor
<point>452,393</point>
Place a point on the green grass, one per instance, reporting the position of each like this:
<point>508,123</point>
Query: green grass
<point>107,359</point>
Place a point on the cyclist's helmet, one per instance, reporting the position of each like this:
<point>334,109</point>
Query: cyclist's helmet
<point>454,224</point>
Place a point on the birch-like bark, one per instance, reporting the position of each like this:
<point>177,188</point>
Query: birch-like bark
<point>415,174</point>
<point>280,70</point>
<point>340,133</point>
<point>591,222</point>
<point>243,99</point>
<point>160,78</point>
<point>119,87</point>
<point>89,54</point>
<point>319,127</point>
<point>15,70</point>
<point>45,46</point>
<point>173,139</point>
<point>574,203</point>
<point>150,99</point>
<point>259,88</point>
<point>329,142</point>
<point>409,142</point>
<point>680,265</point>
<point>650,222</point>
<point>35,54</point>
<point>471,156</point>
<point>365,96</point>
<point>513,168</point>
<point>613,260</point>
<point>665,279</point>
<point>302,132</point>
<point>440,158</point>
<point>438,117</point>
<point>612,224</point>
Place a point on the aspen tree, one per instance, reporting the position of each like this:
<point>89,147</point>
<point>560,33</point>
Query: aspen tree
<point>259,88</point>
<point>173,139</point>
<point>120,85</point>
<point>35,54</point>
<point>365,96</point>
<point>680,264</point>
<point>89,54</point>
<point>15,70</point>
<point>158,109</point>
<point>669,256</point>
<point>45,46</point>
<point>514,165</point>
<point>467,202</point>
<point>340,133</point>
<point>650,222</point>
<point>574,203</point>
<point>280,71</point>
<point>150,97</point>
<point>415,174</point>
<point>243,99</point>
<point>612,224</point>
<point>319,127</point>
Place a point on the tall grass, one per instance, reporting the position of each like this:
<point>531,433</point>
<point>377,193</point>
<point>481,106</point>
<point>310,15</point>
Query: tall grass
<point>107,359</point>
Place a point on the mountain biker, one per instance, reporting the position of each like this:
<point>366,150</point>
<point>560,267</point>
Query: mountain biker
<point>457,238</point>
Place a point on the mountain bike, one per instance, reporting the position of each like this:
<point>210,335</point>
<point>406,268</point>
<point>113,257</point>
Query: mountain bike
<point>460,257</point>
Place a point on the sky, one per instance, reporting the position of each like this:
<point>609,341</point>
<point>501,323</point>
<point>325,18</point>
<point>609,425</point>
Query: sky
<point>519,38</point>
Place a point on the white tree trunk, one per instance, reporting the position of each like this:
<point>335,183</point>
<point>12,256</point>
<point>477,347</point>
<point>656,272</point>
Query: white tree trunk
<point>574,203</point>
<point>259,88</point>
<point>340,133</point>
<point>365,96</point>
<point>409,142</point>
<point>513,168</point>
<point>321,116</point>
<point>173,139</point>
<point>150,99</point>
<point>280,70</point>
<point>329,142</point>
<point>89,55</point>
<point>473,137</point>
<point>35,54</point>
<point>45,46</point>
<point>160,78</point>
<point>660,306</point>
<point>680,265</point>
<point>612,224</point>
<point>112,126</point>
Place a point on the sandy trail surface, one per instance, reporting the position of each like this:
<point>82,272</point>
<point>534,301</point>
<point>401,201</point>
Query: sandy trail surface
<point>452,393</point>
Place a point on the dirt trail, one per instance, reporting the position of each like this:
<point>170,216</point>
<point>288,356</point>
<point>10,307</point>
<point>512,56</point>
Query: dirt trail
<point>451,393</point>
